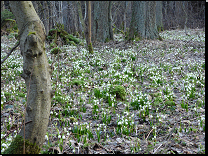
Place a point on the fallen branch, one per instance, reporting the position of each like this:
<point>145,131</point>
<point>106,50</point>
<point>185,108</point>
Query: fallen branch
<point>10,52</point>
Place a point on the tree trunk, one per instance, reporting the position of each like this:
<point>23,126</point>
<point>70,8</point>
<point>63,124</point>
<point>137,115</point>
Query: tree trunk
<point>110,21</point>
<point>102,30</point>
<point>88,38</point>
<point>159,16</point>
<point>143,22</point>
<point>45,4</point>
<point>81,17</point>
<point>2,6</point>
<point>37,76</point>
<point>125,11</point>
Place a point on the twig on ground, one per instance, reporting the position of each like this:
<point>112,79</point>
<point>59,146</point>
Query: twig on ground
<point>17,44</point>
<point>149,134</point>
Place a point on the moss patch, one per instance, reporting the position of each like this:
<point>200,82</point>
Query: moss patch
<point>55,50</point>
<point>34,33</point>
<point>90,48</point>
<point>16,147</point>
<point>77,82</point>
<point>119,91</point>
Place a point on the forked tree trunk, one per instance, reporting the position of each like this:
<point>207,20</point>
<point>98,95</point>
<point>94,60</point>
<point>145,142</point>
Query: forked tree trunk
<point>37,76</point>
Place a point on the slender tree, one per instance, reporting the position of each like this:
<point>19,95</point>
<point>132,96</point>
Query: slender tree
<point>89,29</point>
<point>37,76</point>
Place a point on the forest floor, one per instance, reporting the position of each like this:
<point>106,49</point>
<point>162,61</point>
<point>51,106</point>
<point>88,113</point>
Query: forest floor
<point>142,97</point>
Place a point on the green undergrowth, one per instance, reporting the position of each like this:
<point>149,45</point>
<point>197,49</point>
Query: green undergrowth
<point>143,93</point>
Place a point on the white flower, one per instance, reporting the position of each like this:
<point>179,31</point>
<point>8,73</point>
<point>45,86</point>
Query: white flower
<point>63,137</point>
<point>2,135</point>
<point>4,145</point>
<point>59,136</point>
<point>46,137</point>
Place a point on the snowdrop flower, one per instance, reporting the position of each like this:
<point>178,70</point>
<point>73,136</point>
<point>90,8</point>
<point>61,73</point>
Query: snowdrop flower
<point>59,136</point>
<point>4,145</point>
<point>194,108</point>
<point>119,123</point>
<point>63,137</point>
<point>46,137</point>
<point>9,139</point>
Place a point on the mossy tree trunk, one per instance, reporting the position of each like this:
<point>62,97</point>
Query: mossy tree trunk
<point>37,76</point>
<point>143,22</point>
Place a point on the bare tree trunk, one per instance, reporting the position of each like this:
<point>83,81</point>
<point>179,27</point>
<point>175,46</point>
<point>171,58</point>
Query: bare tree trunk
<point>81,17</point>
<point>159,15</point>
<point>37,76</point>
<point>89,28</point>
<point>110,21</point>
<point>85,11</point>
<point>46,16</point>
<point>2,6</point>
<point>125,11</point>
<point>101,31</point>
<point>143,22</point>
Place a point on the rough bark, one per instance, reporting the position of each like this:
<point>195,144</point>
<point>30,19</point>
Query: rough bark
<point>102,30</point>
<point>159,15</point>
<point>143,22</point>
<point>36,73</point>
